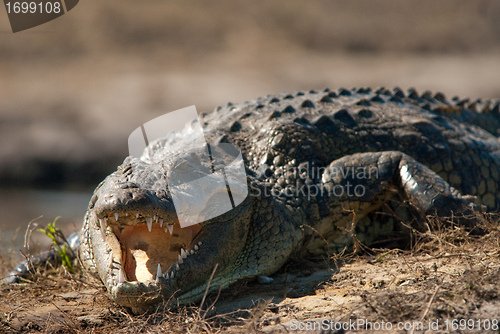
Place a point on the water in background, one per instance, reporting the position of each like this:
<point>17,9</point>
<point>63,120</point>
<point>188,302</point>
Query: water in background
<point>19,207</point>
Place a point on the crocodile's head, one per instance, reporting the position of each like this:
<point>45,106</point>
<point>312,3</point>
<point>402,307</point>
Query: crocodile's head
<point>132,239</point>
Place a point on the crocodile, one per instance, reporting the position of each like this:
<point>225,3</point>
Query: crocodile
<point>322,168</point>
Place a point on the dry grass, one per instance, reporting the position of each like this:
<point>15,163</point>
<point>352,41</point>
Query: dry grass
<point>449,273</point>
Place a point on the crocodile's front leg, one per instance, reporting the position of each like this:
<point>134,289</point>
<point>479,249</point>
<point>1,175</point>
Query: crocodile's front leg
<point>356,185</point>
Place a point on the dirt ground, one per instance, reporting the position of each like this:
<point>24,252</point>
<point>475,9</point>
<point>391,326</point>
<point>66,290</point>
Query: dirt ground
<point>447,282</point>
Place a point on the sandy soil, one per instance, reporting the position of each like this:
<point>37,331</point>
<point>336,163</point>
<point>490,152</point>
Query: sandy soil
<point>448,282</point>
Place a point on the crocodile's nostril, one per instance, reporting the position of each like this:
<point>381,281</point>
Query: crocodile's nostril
<point>114,200</point>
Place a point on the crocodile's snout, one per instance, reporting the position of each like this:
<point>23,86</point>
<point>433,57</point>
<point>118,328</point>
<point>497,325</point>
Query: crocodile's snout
<point>127,197</point>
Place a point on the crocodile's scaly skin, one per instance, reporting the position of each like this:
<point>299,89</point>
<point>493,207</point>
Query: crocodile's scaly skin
<point>319,163</point>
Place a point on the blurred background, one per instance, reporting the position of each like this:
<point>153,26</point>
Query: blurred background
<point>72,90</point>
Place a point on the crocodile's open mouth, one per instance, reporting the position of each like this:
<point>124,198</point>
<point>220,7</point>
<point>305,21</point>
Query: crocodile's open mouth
<point>146,247</point>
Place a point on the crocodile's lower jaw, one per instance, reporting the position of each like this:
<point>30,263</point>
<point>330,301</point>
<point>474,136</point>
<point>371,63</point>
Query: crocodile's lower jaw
<point>147,249</point>
<point>136,294</point>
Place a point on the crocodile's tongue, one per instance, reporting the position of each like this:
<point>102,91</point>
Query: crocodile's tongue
<point>145,247</point>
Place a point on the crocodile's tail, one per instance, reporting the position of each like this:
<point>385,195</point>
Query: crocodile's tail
<point>25,269</point>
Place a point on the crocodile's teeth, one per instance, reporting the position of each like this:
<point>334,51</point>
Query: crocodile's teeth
<point>137,215</point>
<point>184,254</point>
<point>177,266</point>
<point>172,274</point>
<point>149,222</point>
<point>191,251</point>
<point>196,247</point>
<point>170,229</point>
<point>161,222</point>
<point>158,272</point>
<point>102,222</point>
<point>180,260</point>
<point>126,214</point>
<point>121,279</point>
<point>116,216</point>
<point>166,276</point>
<point>155,218</point>
<point>199,243</point>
